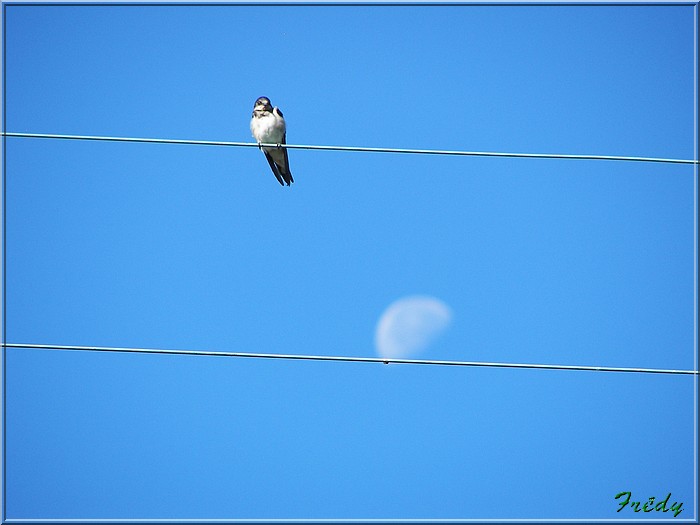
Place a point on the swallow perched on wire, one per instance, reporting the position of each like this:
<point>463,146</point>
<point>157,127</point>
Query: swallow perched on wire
<point>268,127</point>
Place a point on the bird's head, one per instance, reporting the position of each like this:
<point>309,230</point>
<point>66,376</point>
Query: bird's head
<point>262,104</point>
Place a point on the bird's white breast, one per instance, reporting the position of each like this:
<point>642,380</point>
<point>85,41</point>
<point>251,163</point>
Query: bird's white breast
<point>268,128</point>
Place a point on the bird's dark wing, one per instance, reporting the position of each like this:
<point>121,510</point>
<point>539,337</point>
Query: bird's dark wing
<point>285,171</point>
<point>274,168</point>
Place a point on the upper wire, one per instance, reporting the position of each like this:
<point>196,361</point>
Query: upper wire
<point>357,148</point>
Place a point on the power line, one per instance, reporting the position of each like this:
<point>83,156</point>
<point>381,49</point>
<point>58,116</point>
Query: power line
<point>384,360</point>
<point>356,148</point>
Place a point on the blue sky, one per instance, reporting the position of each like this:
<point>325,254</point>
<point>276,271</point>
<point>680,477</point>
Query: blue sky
<point>198,247</point>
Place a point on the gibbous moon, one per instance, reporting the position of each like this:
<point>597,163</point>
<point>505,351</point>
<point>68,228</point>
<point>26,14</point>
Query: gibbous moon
<point>409,325</point>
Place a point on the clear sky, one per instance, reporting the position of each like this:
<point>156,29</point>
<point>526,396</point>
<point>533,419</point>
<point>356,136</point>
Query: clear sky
<point>198,247</point>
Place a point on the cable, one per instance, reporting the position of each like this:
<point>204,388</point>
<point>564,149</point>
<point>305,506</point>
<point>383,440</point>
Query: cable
<point>350,358</point>
<point>355,148</point>
<point>385,360</point>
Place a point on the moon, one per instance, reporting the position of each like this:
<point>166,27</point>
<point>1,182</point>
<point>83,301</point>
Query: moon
<point>409,325</point>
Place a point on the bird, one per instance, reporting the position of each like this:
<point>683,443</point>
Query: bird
<point>268,127</point>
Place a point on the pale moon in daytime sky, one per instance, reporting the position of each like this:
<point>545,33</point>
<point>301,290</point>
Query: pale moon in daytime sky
<point>409,325</point>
